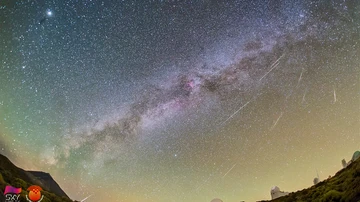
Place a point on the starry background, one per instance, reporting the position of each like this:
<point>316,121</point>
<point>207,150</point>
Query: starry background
<point>179,100</point>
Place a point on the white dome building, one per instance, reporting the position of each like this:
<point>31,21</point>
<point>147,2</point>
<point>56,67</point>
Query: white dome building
<point>276,193</point>
<point>355,156</point>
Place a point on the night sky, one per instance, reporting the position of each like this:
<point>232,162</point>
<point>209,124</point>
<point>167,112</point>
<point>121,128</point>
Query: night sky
<point>173,101</point>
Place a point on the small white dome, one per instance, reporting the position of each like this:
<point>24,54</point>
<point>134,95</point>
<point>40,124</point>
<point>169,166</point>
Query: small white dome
<point>355,156</point>
<point>275,189</point>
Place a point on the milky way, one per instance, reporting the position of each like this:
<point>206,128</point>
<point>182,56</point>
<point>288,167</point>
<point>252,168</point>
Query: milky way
<point>168,101</point>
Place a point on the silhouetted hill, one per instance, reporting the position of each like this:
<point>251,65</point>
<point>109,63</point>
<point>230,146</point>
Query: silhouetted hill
<point>17,177</point>
<point>344,186</point>
<point>48,182</point>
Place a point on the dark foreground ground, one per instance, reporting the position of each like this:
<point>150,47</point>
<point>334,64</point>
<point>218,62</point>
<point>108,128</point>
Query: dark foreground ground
<point>17,177</point>
<point>343,187</point>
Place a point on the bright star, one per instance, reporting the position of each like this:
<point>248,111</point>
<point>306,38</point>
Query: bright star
<point>49,13</point>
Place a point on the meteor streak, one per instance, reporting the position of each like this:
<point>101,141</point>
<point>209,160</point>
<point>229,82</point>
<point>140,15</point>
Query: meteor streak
<point>86,198</point>
<point>229,170</point>
<point>237,111</point>
<point>277,120</point>
<point>273,66</point>
<point>302,71</point>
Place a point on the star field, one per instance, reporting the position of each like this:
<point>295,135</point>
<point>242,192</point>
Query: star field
<point>179,100</point>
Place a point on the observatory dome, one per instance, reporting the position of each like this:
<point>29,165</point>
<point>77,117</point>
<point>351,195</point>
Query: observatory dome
<point>276,193</point>
<point>356,155</point>
<point>275,189</point>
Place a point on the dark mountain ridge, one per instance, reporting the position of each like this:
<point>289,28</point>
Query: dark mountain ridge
<point>48,182</point>
<point>17,177</point>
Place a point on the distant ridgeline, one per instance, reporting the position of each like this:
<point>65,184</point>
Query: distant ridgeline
<point>344,186</point>
<point>11,175</point>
